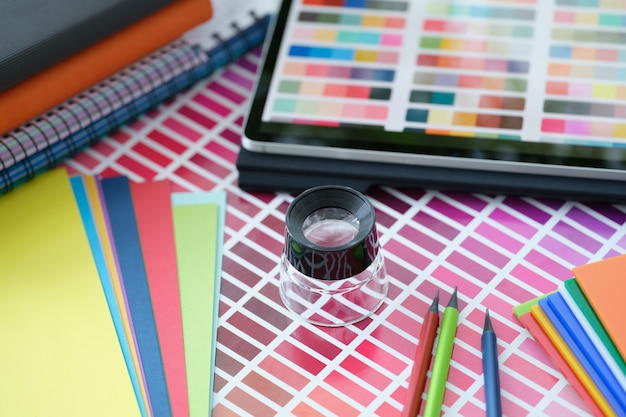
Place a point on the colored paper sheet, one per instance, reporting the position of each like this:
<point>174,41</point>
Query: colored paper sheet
<point>573,289</point>
<point>577,303</point>
<point>99,216</point>
<point>198,227</point>
<point>522,312</point>
<point>89,225</point>
<point>60,355</point>
<point>578,334</point>
<point>127,246</point>
<point>604,285</point>
<point>585,355</point>
<point>153,211</point>
<point>571,359</point>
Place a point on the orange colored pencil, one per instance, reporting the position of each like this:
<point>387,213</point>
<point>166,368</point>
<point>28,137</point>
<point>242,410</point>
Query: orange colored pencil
<point>421,362</point>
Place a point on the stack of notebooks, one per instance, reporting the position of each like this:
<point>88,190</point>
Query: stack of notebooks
<point>581,328</point>
<point>108,297</point>
<point>69,105</point>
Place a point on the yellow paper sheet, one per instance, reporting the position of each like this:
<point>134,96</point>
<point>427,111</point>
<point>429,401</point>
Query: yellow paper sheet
<point>59,354</point>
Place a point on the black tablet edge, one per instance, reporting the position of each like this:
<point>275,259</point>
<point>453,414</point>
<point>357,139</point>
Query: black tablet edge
<point>272,172</point>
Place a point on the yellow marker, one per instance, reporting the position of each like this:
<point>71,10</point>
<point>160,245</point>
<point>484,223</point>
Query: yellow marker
<point>567,354</point>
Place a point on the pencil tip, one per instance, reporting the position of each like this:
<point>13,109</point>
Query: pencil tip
<point>434,307</point>
<point>488,327</point>
<point>453,300</point>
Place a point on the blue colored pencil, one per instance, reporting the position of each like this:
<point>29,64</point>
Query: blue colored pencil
<point>491,372</point>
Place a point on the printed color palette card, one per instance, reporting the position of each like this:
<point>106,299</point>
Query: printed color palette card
<point>500,251</point>
<point>523,69</point>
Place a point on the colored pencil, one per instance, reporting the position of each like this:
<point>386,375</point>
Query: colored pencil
<point>422,359</point>
<point>491,373</point>
<point>443,354</point>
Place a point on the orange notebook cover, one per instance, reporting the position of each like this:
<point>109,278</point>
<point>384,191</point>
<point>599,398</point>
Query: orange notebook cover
<point>73,75</point>
<point>604,284</point>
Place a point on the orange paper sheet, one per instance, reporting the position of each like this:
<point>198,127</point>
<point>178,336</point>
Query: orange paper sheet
<point>604,285</point>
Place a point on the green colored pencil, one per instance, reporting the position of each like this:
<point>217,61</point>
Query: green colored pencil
<point>443,354</point>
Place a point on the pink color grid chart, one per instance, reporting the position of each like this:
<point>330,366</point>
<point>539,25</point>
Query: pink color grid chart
<point>498,250</point>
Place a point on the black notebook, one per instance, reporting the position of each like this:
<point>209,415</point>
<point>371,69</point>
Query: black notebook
<point>35,34</point>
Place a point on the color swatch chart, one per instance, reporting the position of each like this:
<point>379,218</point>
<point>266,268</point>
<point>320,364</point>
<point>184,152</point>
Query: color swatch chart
<point>502,69</point>
<point>586,83</point>
<point>499,250</point>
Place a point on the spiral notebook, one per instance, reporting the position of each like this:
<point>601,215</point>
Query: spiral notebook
<point>40,144</point>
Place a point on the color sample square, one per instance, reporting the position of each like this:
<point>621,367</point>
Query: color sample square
<point>619,130</point>
<point>553,125</point>
<point>376,112</point>
<point>557,88</point>
<point>307,107</point>
<point>605,91</point>
<point>488,120</point>
<point>391,39</point>
<point>465,119</point>
<point>353,110</point>
<point>602,129</point>
<point>440,117</point>
<point>325,35</point>
<point>372,20</point>
<point>443,98</point>
<point>363,55</point>
<point>284,105</point>
<point>417,115</point>
<point>330,109</point>
<point>577,127</point>
<point>387,57</point>
<point>468,100</point>
<point>335,90</point>
<point>310,88</point>
<point>357,91</point>
<point>294,68</point>
<point>288,86</point>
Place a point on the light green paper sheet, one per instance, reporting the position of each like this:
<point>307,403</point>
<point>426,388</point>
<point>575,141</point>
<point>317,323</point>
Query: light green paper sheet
<point>198,229</point>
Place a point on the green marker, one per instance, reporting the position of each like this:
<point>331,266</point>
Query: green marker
<point>437,386</point>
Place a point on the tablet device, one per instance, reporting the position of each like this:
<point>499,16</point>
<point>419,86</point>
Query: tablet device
<point>526,87</point>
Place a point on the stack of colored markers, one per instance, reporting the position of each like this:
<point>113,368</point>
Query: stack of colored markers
<point>580,326</point>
